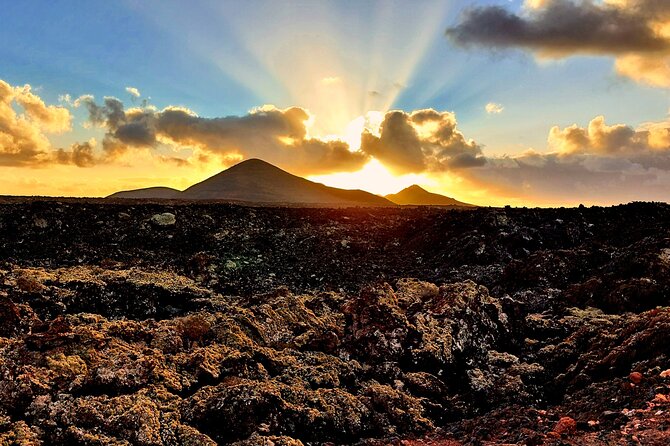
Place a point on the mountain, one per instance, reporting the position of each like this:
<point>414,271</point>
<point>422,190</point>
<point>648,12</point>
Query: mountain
<point>149,192</point>
<point>257,181</point>
<point>416,195</point>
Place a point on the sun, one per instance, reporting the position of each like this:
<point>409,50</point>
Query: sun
<point>373,177</point>
<point>370,122</point>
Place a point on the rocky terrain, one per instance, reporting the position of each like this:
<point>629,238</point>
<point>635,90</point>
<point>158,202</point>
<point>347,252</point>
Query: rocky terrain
<point>130,323</point>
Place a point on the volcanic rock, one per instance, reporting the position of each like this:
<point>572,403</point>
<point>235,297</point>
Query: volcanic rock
<point>164,219</point>
<point>432,327</point>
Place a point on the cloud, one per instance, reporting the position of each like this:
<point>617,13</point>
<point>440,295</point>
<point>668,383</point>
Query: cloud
<point>599,138</point>
<point>134,92</point>
<point>424,140</point>
<point>564,27</point>
<point>597,163</point>
<point>650,70</point>
<point>65,99</point>
<point>493,109</point>
<point>80,154</point>
<point>23,140</point>
<point>421,141</point>
<point>50,118</point>
<point>621,140</point>
<point>635,32</point>
<point>276,135</point>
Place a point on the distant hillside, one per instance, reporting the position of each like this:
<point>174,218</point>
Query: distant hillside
<point>148,193</point>
<point>416,195</point>
<point>256,181</point>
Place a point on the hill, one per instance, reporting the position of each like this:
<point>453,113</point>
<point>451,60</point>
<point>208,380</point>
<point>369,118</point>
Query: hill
<point>148,193</point>
<point>418,196</point>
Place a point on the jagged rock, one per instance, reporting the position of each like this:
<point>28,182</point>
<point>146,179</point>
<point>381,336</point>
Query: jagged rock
<point>41,223</point>
<point>132,293</point>
<point>428,327</point>
<point>273,440</point>
<point>10,317</point>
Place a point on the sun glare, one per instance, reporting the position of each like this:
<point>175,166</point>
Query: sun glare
<point>335,72</point>
<point>351,134</point>
<point>373,177</point>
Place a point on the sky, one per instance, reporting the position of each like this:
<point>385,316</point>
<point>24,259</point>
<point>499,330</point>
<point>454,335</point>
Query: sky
<point>528,103</point>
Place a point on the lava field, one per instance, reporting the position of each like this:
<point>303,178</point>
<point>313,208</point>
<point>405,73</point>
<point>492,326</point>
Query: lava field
<point>175,323</point>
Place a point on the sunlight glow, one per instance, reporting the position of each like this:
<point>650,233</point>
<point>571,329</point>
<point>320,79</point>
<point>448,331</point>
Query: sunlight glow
<point>373,177</point>
<point>335,67</point>
<point>351,134</point>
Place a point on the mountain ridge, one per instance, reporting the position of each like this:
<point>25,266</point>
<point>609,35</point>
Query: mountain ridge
<point>257,181</point>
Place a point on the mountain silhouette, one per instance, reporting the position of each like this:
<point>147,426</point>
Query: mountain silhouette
<point>418,196</point>
<point>257,181</point>
<point>149,192</point>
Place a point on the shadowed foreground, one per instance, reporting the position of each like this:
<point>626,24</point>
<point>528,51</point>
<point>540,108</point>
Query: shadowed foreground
<point>169,324</point>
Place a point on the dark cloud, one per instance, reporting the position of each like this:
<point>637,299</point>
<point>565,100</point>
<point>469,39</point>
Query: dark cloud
<point>278,136</point>
<point>80,154</point>
<point>421,141</point>
<point>260,128</point>
<point>398,146</point>
<point>633,31</point>
<point>132,128</point>
<point>563,27</point>
<point>424,140</point>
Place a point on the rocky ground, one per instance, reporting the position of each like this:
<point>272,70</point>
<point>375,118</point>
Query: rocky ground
<point>187,324</point>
